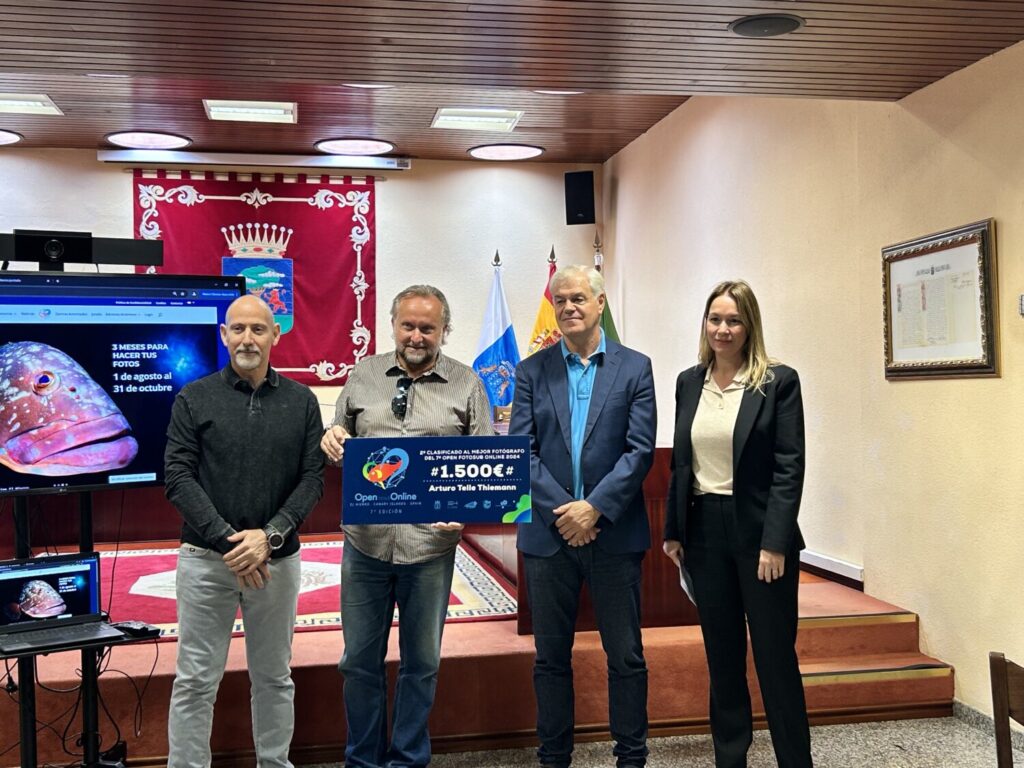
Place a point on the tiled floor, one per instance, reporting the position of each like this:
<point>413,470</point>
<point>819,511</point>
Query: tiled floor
<point>935,743</point>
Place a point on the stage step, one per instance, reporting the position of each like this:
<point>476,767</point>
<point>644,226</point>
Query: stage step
<point>860,661</point>
<point>856,667</point>
<point>857,635</point>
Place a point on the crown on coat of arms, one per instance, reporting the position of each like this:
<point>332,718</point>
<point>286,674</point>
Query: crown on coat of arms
<point>249,240</point>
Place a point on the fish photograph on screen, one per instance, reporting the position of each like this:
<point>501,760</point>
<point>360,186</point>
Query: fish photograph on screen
<point>58,420</point>
<point>89,368</point>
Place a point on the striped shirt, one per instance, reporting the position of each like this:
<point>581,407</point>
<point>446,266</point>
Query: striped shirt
<point>446,400</point>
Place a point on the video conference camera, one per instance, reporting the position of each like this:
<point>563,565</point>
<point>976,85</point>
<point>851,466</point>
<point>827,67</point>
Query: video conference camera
<point>52,250</point>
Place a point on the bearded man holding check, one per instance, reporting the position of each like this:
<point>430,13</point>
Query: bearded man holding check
<point>414,391</point>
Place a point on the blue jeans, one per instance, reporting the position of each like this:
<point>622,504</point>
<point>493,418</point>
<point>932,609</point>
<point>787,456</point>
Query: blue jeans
<point>370,588</point>
<point>553,585</point>
<point>208,597</point>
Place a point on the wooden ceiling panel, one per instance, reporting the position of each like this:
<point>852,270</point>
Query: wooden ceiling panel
<point>135,64</point>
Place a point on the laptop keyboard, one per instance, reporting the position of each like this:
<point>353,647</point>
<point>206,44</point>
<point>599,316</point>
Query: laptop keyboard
<point>70,635</point>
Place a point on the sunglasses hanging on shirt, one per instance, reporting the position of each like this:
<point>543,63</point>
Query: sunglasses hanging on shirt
<point>400,402</point>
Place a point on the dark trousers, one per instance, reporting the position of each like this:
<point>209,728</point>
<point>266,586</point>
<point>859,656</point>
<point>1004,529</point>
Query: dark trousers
<point>727,590</point>
<point>370,589</point>
<point>553,585</point>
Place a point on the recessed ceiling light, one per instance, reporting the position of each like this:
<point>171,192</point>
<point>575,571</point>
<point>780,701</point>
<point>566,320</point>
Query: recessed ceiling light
<point>477,118</point>
<point>766,25</point>
<point>10,137</point>
<point>28,104</point>
<point>368,86</point>
<point>506,152</point>
<point>555,92</point>
<point>147,140</point>
<point>252,111</point>
<point>354,146</point>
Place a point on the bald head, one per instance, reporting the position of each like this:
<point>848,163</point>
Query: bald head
<point>249,333</point>
<point>250,304</point>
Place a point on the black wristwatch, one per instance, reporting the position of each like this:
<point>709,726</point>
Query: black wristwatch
<point>274,538</point>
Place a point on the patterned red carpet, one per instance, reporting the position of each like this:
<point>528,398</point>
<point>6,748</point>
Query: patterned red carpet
<point>143,588</point>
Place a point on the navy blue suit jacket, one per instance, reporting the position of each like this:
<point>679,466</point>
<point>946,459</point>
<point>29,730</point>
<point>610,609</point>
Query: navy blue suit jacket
<point>767,457</point>
<point>618,446</point>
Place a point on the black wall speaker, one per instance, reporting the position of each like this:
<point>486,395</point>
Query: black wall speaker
<point>579,197</point>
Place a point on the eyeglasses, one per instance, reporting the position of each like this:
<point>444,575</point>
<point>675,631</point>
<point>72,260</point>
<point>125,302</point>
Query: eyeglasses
<point>400,402</point>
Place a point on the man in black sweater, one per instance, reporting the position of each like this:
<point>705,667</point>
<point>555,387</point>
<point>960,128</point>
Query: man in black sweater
<point>243,467</point>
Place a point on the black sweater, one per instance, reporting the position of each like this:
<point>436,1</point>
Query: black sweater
<point>239,458</point>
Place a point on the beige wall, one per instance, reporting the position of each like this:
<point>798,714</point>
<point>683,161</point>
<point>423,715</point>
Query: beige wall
<point>440,223</point>
<point>919,481</point>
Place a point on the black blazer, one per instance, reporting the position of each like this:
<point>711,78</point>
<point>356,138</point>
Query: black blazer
<point>768,461</point>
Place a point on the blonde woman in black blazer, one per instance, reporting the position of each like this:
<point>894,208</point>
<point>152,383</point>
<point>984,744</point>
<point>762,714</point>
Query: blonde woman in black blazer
<point>737,476</point>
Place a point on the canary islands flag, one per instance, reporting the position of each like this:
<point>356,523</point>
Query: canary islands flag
<point>497,352</point>
<point>545,329</point>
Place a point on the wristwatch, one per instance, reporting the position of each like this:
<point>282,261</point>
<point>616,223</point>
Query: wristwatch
<point>274,537</point>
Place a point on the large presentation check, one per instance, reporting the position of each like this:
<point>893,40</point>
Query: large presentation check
<point>436,480</point>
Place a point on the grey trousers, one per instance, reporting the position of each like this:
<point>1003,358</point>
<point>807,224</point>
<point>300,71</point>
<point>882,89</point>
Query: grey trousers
<point>208,598</point>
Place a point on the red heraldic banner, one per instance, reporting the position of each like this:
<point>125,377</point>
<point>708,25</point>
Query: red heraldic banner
<point>306,246</point>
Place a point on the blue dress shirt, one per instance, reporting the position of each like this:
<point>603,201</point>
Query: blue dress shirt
<point>581,384</point>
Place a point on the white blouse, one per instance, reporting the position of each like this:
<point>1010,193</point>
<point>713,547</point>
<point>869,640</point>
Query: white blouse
<point>711,434</point>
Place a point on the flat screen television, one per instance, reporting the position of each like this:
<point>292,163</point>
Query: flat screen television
<point>89,368</point>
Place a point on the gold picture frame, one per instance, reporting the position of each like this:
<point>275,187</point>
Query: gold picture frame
<point>939,297</point>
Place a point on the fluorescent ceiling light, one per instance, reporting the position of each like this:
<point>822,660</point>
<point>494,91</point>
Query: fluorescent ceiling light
<point>368,86</point>
<point>477,119</point>
<point>252,111</point>
<point>10,137</point>
<point>147,140</point>
<point>354,146</point>
<point>506,152</point>
<point>556,92</point>
<point>28,104</point>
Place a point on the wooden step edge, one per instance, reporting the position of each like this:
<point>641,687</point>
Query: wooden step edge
<point>857,620</point>
<point>912,672</point>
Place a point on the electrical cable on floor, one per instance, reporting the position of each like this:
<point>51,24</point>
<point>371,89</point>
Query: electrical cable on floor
<point>40,725</point>
<point>8,684</point>
<point>67,726</point>
<point>102,664</point>
<point>139,694</point>
<point>45,687</point>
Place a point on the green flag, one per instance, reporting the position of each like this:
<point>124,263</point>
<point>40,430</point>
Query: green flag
<point>608,323</point>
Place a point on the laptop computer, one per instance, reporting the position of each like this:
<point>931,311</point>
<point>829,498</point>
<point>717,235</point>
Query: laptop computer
<point>51,604</point>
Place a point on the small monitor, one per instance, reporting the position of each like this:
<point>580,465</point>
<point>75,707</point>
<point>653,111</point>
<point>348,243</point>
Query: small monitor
<point>45,590</point>
<point>89,368</point>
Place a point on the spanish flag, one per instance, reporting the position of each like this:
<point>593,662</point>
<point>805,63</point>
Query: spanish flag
<point>545,329</point>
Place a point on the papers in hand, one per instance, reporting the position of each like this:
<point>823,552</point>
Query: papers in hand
<point>686,583</point>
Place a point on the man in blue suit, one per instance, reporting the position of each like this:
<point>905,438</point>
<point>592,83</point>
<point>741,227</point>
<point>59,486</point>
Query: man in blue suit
<point>587,404</point>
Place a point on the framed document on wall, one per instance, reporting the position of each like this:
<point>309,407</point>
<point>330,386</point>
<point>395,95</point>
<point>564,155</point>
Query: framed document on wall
<point>939,294</point>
